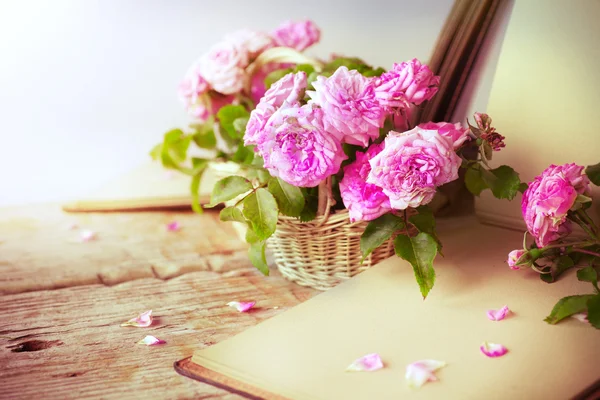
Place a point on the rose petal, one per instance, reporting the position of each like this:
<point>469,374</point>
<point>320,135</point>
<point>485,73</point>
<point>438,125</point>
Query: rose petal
<point>493,349</point>
<point>86,235</point>
<point>143,320</point>
<point>580,317</point>
<point>241,306</point>
<point>173,226</point>
<point>370,362</point>
<point>151,341</point>
<point>422,371</point>
<point>498,315</point>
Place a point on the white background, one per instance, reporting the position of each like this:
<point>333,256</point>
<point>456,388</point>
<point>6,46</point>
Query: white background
<point>87,87</point>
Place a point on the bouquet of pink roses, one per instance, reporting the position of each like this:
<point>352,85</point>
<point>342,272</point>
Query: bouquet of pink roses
<point>333,135</point>
<point>555,201</point>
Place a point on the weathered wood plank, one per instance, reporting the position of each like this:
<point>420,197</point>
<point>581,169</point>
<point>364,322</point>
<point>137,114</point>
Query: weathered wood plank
<point>38,250</point>
<point>89,355</point>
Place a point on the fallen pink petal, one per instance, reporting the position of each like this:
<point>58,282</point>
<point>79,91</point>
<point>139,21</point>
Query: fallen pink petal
<point>580,317</point>
<point>241,306</point>
<point>87,235</point>
<point>370,362</point>
<point>173,226</point>
<point>151,341</point>
<point>421,372</point>
<point>143,320</point>
<point>498,315</point>
<point>493,349</point>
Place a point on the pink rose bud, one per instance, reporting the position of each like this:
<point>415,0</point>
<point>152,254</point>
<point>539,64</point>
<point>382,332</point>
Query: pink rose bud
<point>513,258</point>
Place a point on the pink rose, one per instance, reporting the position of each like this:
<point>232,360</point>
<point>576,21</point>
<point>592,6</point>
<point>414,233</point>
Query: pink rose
<point>253,42</point>
<point>297,35</point>
<point>363,200</point>
<point>412,165</point>
<point>352,113</point>
<point>287,91</point>
<point>406,82</point>
<point>296,147</point>
<point>548,199</point>
<point>454,132</point>
<point>223,67</point>
<point>513,258</point>
<point>193,93</point>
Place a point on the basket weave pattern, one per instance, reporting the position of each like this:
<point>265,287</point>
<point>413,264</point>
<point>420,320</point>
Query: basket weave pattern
<point>324,252</point>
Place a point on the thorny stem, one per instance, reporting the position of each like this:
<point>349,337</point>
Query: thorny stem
<point>586,218</point>
<point>584,251</point>
<point>582,244</point>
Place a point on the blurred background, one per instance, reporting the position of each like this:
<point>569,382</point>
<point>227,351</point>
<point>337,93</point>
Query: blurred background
<point>87,87</point>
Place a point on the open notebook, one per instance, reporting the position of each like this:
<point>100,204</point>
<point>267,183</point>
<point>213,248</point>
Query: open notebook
<point>302,353</point>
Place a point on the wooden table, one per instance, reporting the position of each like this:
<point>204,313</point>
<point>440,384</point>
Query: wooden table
<point>62,301</point>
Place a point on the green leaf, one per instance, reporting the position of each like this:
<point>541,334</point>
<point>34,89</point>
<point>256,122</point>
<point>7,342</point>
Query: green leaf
<point>424,221</point>
<point>593,173</point>
<point>232,214</point>
<point>373,72</point>
<point>229,188</point>
<point>523,187</point>
<point>568,306</point>
<point>156,152</point>
<point>289,198</point>
<point>561,264</point>
<point>348,62</point>
<point>507,182</point>
<point>244,154</point>
<point>276,75</point>
<point>420,252</point>
<point>487,151</point>
<point>256,253</point>
<point>593,309</point>
<point>228,115</point>
<point>199,166</point>
<point>311,204</point>
<point>474,181</point>
<point>251,235</point>
<point>260,208</point>
<point>205,140</point>
<point>588,274</point>
<point>306,68</point>
<point>174,149</point>
<point>378,231</point>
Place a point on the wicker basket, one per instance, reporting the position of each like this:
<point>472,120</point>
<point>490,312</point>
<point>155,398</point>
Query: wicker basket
<point>324,252</point>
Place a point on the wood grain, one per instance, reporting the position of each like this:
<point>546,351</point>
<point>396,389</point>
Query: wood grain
<point>39,250</point>
<point>91,356</point>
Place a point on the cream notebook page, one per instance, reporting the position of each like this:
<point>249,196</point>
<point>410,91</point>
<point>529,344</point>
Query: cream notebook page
<point>302,353</point>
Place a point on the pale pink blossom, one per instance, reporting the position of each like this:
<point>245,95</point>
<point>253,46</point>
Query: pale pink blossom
<point>421,372</point>
<point>296,147</point>
<point>242,306</point>
<point>173,226</point>
<point>352,112</point>
<point>363,200</point>
<point>151,341</point>
<point>513,258</point>
<point>498,315</point>
<point>87,235</point>
<point>257,82</point>
<point>454,132</point>
<point>582,317</point>
<point>143,320</point>
<point>493,350</point>
<point>287,91</point>
<point>412,165</point>
<point>254,42</point>
<point>548,199</point>
<point>223,67</point>
<point>368,363</point>
<point>406,82</point>
<point>297,35</point>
